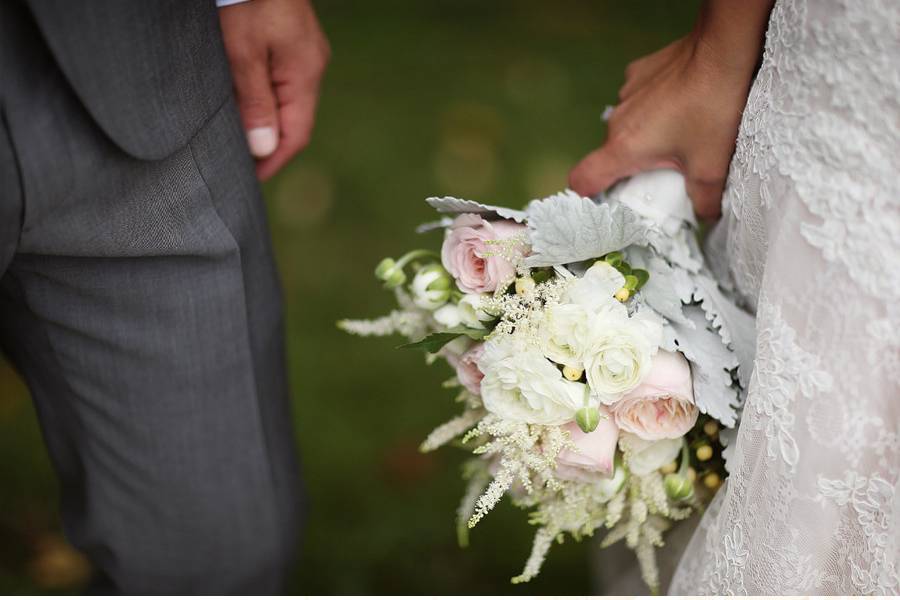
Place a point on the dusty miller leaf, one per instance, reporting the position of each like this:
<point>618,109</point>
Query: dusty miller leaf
<point>736,327</point>
<point>432,225</point>
<point>711,363</point>
<point>568,228</point>
<point>668,287</point>
<point>458,206</point>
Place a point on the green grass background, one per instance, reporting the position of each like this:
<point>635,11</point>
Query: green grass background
<point>492,100</point>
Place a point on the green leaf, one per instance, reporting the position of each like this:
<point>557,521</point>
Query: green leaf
<point>435,341</point>
<point>623,267</point>
<point>541,275</point>
<point>614,258</point>
<point>631,282</point>
<point>642,276</point>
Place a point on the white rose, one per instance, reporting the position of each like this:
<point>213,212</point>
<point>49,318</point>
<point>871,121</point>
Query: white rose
<point>565,334</point>
<point>595,290</point>
<point>644,456</point>
<point>659,196</point>
<point>521,385</point>
<point>622,349</point>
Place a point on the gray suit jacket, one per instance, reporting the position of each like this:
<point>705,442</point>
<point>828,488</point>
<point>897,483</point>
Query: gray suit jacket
<point>149,97</point>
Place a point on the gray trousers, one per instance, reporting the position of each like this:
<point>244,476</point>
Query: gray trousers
<point>140,302</point>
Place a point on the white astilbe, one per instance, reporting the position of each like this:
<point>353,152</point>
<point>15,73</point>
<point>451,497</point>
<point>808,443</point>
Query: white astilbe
<point>407,323</point>
<point>410,321</point>
<point>478,481</point>
<point>639,514</point>
<point>451,429</point>
<point>543,539</point>
<point>523,312</point>
<point>525,454</point>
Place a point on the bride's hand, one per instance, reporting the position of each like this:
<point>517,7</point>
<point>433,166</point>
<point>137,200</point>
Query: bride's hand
<point>680,108</point>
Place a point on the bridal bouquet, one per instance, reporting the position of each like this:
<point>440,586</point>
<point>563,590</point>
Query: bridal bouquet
<point>599,365</point>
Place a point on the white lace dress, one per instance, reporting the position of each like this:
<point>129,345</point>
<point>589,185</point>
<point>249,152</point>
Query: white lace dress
<point>810,239</point>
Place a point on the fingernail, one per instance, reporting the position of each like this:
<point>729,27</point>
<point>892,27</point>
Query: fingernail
<point>262,141</point>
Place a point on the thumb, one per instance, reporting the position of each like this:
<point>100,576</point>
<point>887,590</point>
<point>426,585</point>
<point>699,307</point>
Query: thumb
<point>600,169</point>
<point>257,104</point>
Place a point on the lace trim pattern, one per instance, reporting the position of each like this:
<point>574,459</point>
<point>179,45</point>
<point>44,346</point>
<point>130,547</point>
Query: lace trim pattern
<point>812,230</point>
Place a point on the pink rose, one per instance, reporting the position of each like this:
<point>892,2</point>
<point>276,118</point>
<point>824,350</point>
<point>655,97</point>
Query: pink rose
<point>662,406</point>
<point>596,451</point>
<point>467,370</point>
<point>471,255</point>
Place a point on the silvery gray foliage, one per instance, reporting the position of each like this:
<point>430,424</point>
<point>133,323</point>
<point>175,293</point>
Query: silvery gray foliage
<point>432,225</point>
<point>736,327</point>
<point>667,287</point>
<point>668,339</point>
<point>567,228</point>
<point>728,437</point>
<point>711,363</point>
<point>680,249</point>
<point>458,206</point>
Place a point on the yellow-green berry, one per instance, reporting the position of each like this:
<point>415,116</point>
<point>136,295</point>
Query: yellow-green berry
<point>704,452</point>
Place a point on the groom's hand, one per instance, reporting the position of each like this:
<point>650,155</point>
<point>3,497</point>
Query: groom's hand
<point>278,54</point>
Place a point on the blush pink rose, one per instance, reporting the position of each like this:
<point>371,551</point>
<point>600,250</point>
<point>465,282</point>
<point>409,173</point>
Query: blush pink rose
<point>596,451</point>
<point>467,370</point>
<point>482,255</point>
<point>662,406</point>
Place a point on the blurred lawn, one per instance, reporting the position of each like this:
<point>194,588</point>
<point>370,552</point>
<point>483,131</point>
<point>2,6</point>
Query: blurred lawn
<point>491,100</point>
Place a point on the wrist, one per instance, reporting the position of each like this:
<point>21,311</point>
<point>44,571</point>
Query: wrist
<point>728,37</point>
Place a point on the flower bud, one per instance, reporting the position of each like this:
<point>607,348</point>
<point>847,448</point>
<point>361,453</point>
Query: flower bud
<point>710,428</point>
<point>524,285</point>
<point>704,452</point>
<point>678,487</point>
<point>691,474</point>
<point>572,373</point>
<point>390,273</point>
<point>587,417</point>
<point>623,295</point>
<point>431,287</point>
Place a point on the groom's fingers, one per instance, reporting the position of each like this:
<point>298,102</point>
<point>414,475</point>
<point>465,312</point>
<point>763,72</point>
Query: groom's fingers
<point>256,101</point>
<point>296,73</point>
<point>297,117</point>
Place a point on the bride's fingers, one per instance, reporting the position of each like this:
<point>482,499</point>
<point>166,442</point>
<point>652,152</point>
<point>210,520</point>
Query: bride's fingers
<point>642,70</point>
<point>706,196</point>
<point>600,169</point>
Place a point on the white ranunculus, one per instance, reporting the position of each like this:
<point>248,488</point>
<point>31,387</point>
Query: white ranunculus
<point>659,196</point>
<point>448,315</point>
<point>621,352</point>
<point>644,456</point>
<point>595,290</point>
<point>471,311</point>
<point>520,384</point>
<point>430,288</point>
<point>466,312</point>
<point>565,334</point>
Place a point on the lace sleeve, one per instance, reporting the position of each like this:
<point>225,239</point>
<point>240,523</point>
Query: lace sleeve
<point>813,241</point>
